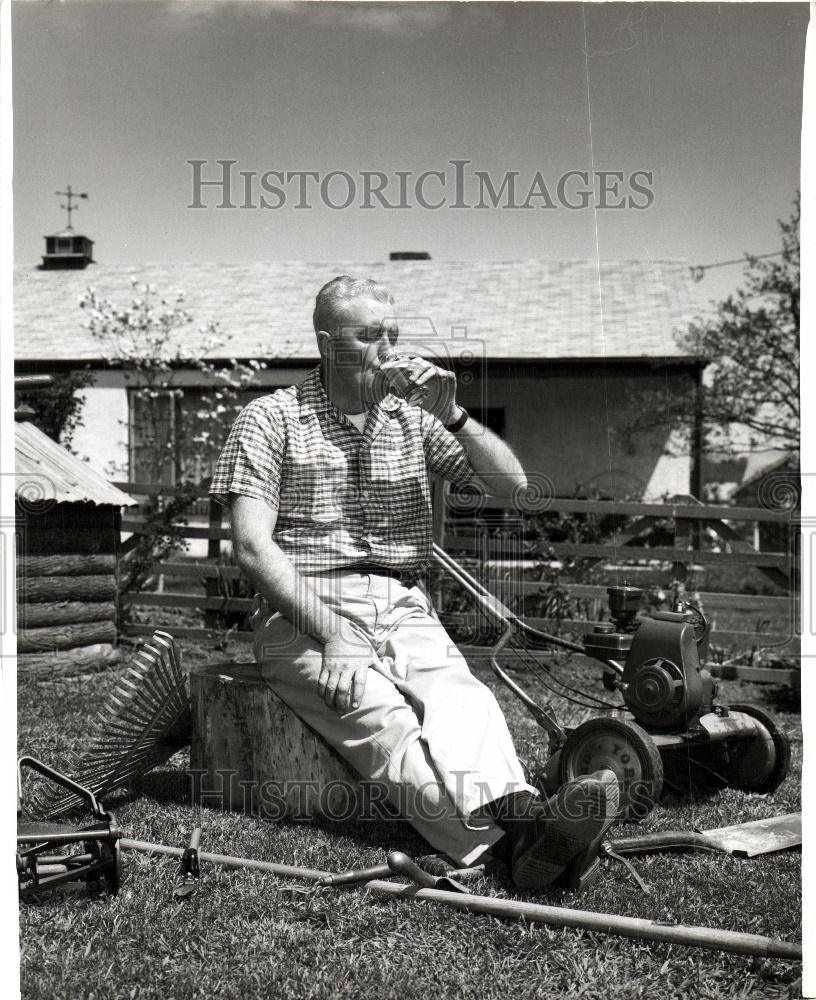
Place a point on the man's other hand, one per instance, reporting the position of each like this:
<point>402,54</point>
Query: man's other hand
<point>346,659</point>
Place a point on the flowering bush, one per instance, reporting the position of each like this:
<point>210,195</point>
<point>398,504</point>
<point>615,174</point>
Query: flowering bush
<point>182,423</point>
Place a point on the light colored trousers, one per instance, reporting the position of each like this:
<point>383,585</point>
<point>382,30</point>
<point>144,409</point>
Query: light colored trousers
<point>426,729</point>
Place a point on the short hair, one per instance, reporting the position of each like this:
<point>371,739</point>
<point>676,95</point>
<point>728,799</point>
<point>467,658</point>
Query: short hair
<point>335,293</point>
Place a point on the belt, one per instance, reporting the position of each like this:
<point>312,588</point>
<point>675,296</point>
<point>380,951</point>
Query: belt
<point>403,575</point>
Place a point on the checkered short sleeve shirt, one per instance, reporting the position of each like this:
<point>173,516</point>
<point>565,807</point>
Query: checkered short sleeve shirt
<point>341,497</point>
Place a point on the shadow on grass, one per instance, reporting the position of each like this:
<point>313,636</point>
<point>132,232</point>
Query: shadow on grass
<point>784,699</point>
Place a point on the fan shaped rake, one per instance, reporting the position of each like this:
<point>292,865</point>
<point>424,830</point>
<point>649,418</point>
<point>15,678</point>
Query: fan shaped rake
<point>143,722</point>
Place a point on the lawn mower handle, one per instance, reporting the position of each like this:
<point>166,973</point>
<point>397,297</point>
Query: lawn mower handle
<point>60,779</point>
<point>501,614</point>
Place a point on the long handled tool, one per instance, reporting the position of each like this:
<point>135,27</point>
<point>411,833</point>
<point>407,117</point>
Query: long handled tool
<point>744,840</point>
<point>310,874</point>
<point>647,930</point>
<point>606,923</point>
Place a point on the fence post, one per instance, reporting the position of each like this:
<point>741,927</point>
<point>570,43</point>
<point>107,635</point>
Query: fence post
<point>683,535</point>
<point>211,585</point>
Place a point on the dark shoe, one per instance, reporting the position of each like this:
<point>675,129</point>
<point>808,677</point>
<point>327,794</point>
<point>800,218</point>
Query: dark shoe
<point>562,845</point>
<point>584,868</point>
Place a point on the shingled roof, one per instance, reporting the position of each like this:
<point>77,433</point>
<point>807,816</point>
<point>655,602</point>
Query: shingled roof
<point>545,309</point>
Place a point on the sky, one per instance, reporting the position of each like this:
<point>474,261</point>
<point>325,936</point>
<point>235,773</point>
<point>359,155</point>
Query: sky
<point>115,98</point>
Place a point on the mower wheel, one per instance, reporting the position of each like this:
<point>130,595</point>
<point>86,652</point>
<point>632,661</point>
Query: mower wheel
<point>760,764</point>
<point>620,746</point>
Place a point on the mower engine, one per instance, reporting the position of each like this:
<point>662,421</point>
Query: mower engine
<point>663,683</point>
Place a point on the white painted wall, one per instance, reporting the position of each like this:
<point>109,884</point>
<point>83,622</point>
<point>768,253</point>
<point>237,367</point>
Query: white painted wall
<point>562,427</point>
<point>102,438</point>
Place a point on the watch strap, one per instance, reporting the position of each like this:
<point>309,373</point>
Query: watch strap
<point>459,423</point>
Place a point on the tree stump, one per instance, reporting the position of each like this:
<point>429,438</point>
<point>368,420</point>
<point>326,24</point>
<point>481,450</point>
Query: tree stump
<point>250,751</point>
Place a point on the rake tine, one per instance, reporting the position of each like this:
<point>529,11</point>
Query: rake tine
<point>168,680</point>
<point>170,642</point>
<point>155,679</point>
<point>167,658</point>
<point>140,725</point>
<point>175,664</point>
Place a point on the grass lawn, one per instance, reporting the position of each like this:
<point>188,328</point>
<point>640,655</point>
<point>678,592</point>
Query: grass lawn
<point>240,936</point>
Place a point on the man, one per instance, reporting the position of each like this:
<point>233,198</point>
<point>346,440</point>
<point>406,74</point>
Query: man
<point>331,519</point>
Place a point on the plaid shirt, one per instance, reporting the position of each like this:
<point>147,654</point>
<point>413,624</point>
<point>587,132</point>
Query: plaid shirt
<point>341,497</point>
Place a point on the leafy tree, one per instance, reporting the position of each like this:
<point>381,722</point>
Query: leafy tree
<point>751,346</point>
<point>152,342</point>
<point>58,408</point>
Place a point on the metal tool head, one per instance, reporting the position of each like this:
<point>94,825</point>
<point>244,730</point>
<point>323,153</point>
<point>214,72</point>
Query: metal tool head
<point>401,864</point>
<point>188,877</point>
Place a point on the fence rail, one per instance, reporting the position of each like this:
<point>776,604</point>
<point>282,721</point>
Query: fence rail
<point>487,551</point>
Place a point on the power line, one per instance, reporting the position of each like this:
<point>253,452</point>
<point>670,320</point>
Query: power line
<point>698,270</point>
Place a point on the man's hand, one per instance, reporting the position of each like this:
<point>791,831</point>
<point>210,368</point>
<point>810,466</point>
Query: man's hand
<point>346,659</point>
<point>422,383</point>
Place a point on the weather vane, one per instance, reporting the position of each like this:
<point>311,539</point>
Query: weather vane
<point>69,194</point>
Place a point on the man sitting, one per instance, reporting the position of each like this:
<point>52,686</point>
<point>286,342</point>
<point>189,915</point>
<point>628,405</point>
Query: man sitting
<point>328,485</point>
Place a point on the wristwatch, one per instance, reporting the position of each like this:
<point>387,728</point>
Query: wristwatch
<point>459,423</point>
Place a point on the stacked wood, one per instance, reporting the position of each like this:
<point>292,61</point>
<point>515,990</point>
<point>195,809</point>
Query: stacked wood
<point>35,640</point>
<point>43,666</point>
<point>64,613</point>
<point>252,753</point>
<point>66,601</point>
<point>38,589</point>
<point>65,565</point>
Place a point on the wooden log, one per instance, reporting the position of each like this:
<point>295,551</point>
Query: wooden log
<point>252,753</point>
<point>37,640</point>
<point>44,666</point>
<point>64,613</point>
<point>39,589</point>
<point>65,565</point>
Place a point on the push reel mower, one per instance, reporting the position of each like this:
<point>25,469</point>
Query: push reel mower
<point>53,854</point>
<point>668,731</point>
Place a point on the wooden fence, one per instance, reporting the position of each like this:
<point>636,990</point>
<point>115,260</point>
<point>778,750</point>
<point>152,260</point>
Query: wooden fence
<point>493,545</point>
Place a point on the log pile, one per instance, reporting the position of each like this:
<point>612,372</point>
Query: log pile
<point>66,603</point>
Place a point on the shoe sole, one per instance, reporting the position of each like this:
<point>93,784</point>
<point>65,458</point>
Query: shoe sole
<point>584,868</point>
<point>582,871</point>
<point>581,864</point>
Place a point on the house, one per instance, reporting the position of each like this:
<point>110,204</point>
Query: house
<point>554,355</point>
<point>68,527</point>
